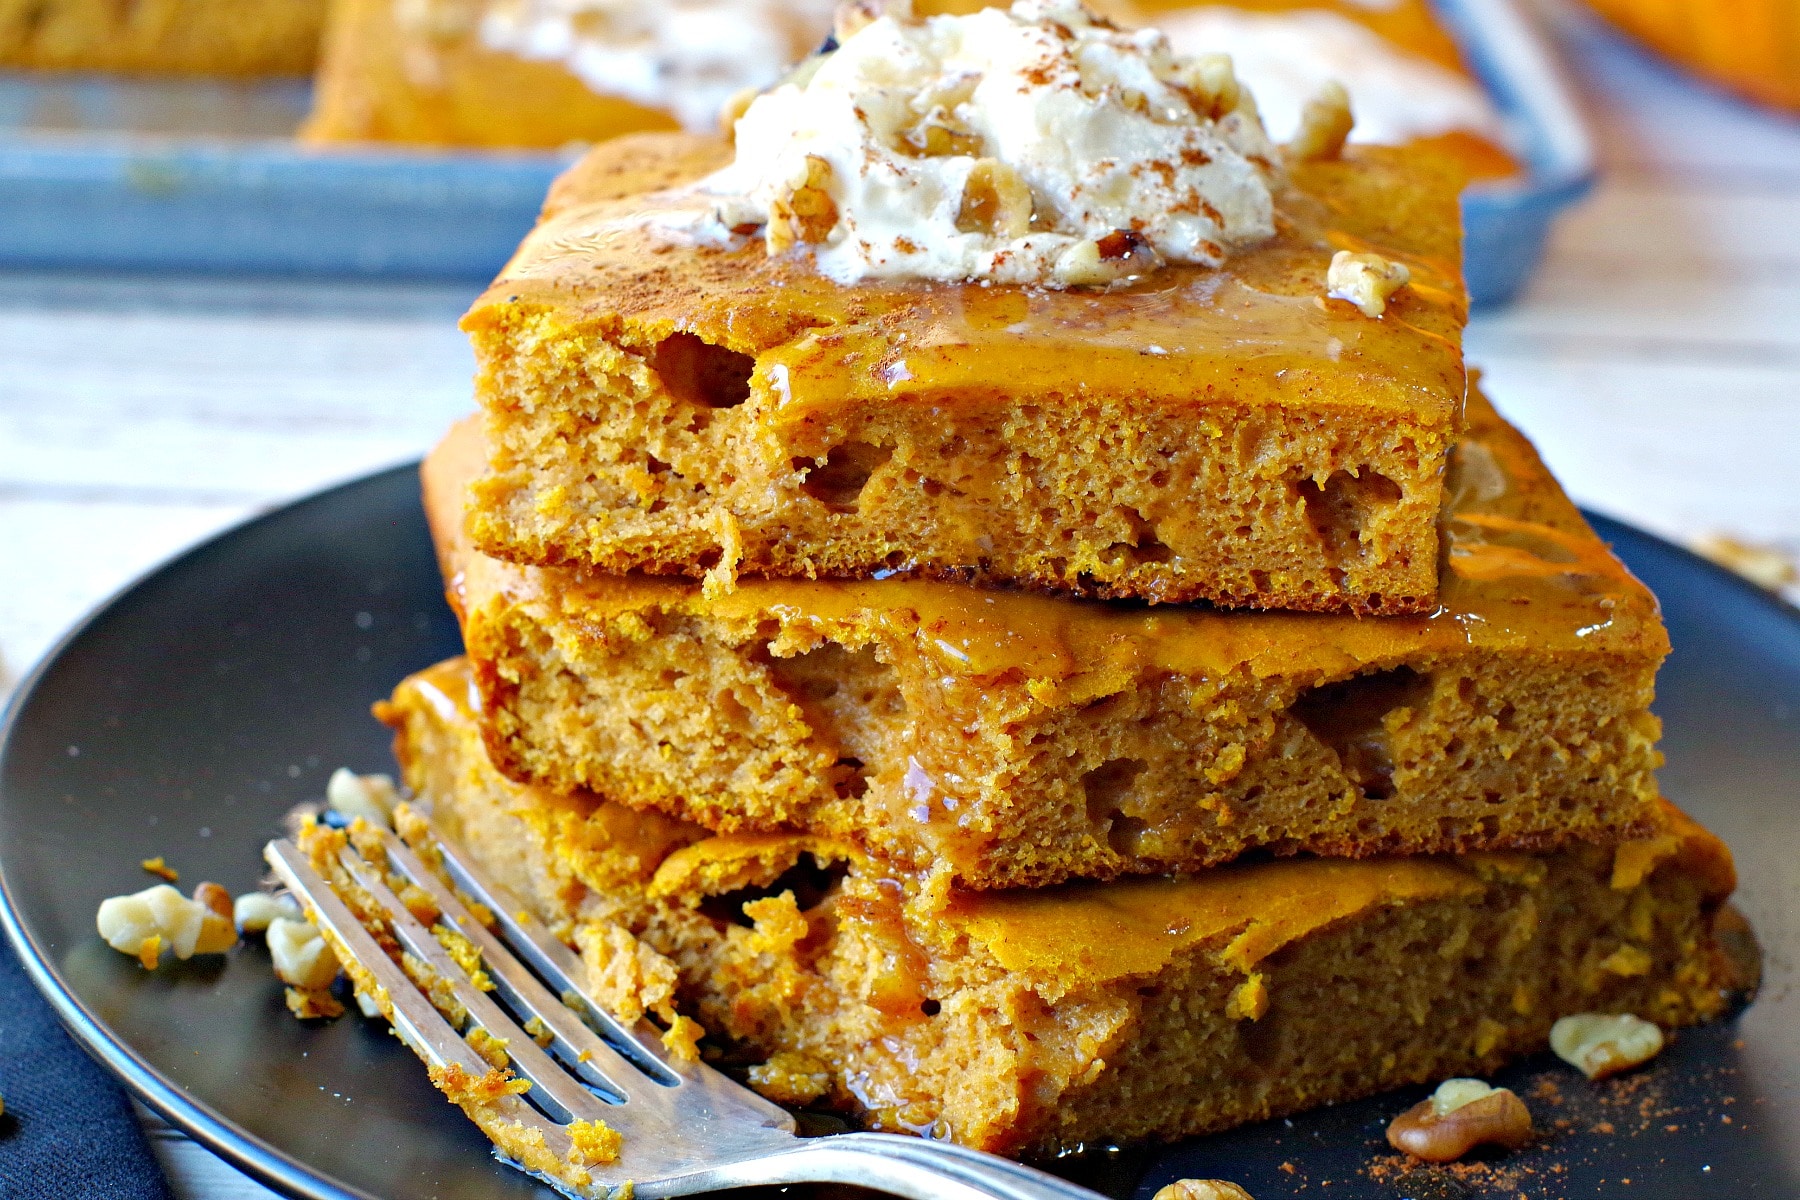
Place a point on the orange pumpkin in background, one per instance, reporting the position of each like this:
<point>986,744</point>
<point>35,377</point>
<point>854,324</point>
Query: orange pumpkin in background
<point>1749,46</point>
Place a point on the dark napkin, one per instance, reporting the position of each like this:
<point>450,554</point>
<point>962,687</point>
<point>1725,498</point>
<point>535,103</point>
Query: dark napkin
<point>68,1129</point>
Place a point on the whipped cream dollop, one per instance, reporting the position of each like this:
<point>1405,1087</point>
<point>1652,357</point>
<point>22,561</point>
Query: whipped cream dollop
<point>687,57</point>
<point>1036,144</point>
<point>1285,58</point>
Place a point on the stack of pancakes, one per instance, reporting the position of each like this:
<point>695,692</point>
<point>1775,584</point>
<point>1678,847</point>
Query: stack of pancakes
<point>1038,718</point>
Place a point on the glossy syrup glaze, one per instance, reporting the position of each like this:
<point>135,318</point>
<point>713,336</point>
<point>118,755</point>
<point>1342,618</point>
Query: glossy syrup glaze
<point>1096,933</point>
<point>615,256</point>
<point>1522,572</point>
<point>1077,933</point>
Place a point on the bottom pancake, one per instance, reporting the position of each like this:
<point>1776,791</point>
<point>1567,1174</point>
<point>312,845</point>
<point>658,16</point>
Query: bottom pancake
<point>1026,1022</point>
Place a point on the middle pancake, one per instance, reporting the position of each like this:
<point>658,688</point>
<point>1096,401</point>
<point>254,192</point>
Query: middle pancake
<point>1004,739</point>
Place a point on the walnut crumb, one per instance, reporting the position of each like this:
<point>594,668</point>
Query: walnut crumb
<point>1201,1189</point>
<point>1461,1115</point>
<point>1325,125</point>
<point>1601,1045</point>
<point>300,954</point>
<point>807,214</point>
<point>253,912</point>
<point>1769,567</point>
<point>995,201</point>
<point>371,797</point>
<point>144,923</point>
<point>1365,280</point>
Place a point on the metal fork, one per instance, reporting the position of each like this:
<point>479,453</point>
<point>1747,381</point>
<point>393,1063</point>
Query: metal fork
<point>686,1127</point>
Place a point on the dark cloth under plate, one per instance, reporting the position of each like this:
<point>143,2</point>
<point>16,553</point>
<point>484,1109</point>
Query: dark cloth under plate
<point>68,1130</point>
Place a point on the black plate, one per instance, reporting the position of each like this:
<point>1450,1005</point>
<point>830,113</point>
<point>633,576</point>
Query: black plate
<point>188,714</point>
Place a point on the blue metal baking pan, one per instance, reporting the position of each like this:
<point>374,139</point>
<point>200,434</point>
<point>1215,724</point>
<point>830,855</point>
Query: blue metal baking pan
<point>190,175</point>
<point>1505,223</point>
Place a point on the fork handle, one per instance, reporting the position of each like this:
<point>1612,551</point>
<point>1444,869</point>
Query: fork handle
<point>886,1162</point>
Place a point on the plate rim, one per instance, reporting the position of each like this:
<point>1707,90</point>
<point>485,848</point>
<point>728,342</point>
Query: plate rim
<point>219,1134</point>
<point>224,1137</point>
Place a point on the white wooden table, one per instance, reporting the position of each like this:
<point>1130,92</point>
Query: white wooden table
<point>1656,361</point>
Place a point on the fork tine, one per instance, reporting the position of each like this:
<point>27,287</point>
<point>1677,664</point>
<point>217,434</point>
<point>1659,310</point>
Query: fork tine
<point>697,1092</point>
<point>547,1077</point>
<point>529,940</point>
<point>415,1019</point>
<point>587,1052</point>
<point>704,1136</point>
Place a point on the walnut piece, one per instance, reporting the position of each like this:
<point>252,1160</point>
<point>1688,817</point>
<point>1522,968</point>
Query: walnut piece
<point>1602,1044</point>
<point>1769,567</point>
<point>142,923</point>
<point>214,899</point>
<point>1461,1115</point>
<point>1211,84</point>
<point>1325,125</point>
<point>253,911</point>
<point>808,214</point>
<point>1118,256</point>
<point>371,797</point>
<point>301,955</point>
<point>1201,1189</point>
<point>1365,280</point>
<point>995,201</point>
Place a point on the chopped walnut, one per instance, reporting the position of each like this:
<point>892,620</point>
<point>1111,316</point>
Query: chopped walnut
<point>807,214</point>
<point>1211,84</point>
<point>1118,256</point>
<point>1325,125</point>
<point>940,132</point>
<point>1201,1189</point>
<point>1600,1044</point>
<point>995,200</point>
<point>301,955</point>
<point>217,935</point>
<point>253,911</point>
<point>1768,567</point>
<point>371,797</point>
<point>1365,280</point>
<point>214,899</point>
<point>1461,1115</point>
<point>143,923</point>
